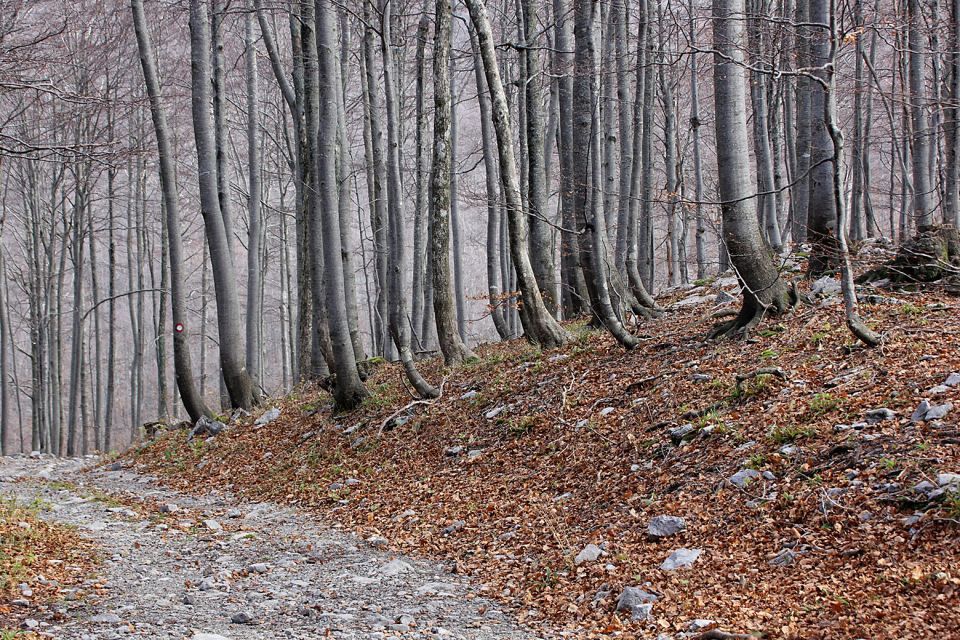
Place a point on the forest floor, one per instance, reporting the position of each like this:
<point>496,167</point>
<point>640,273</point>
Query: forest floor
<point>162,564</point>
<point>816,500</point>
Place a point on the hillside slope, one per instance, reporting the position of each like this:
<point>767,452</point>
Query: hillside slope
<point>813,498</point>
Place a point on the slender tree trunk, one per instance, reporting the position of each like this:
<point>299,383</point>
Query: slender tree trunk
<point>494,295</point>
<point>254,231</point>
<point>539,326</point>
<point>399,329</point>
<point>422,185</point>
<point>695,124</point>
<point>451,344</point>
<point>236,376</point>
<point>922,184</point>
<point>183,369</point>
<point>764,291</point>
<point>348,389</point>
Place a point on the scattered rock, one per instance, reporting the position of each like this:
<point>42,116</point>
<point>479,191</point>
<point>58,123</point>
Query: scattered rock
<point>453,452</point>
<point>744,477</point>
<point>242,617</point>
<point>259,567</point>
<point>29,624</point>
<point>268,416</point>
<point>949,481</point>
<point>679,434</point>
<point>453,527</point>
<point>169,508</point>
<point>493,413</point>
<point>692,301</point>
<point>724,298</point>
<point>788,449</point>
<point>212,525</point>
<point>208,636</point>
<point>665,526</point>
<point>637,602</point>
<point>106,618</point>
<point>680,559</point>
<point>953,380</point>
<point>395,568</point>
<point>825,286</point>
<point>473,454</point>
<point>879,415</point>
<point>701,377</point>
<point>377,542</point>
<point>785,558</point>
<point>470,395</point>
<point>927,412</point>
<point>700,624</point>
<point>607,411</point>
<point>590,553</point>
<point>207,426</point>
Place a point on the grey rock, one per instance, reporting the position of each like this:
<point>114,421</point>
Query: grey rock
<point>744,477</point>
<point>437,588</point>
<point>590,553</point>
<point>169,508</point>
<point>938,412</point>
<point>352,482</point>
<point>395,568</point>
<point>493,413</point>
<point>242,617</point>
<point>473,454</point>
<point>212,525</point>
<point>453,527</point>
<point>769,475</point>
<point>679,434</point>
<point>785,558</point>
<point>268,416</point>
<point>259,567</point>
<point>953,380</point>
<point>470,395</point>
<point>208,636</point>
<point>453,452</point>
<point>208,584</point>
<point>665,526</point>
<point>30,624</point>
<point>207,427</point>
<point>825,286</point>
<point>788,449</point>
<point>701,377</point>
<point>724,298</point>
<point>938,390</point>
<point>106,618</point>
<point>377,542</point>
<point>950,481</point>
<point>920,413</point>
<point>637,602</point>
<point>607,411</point>
<point>680,559</point>
<point>700,624</point>
<point>879,415</point>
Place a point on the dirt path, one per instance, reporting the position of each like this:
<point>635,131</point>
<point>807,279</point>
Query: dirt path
<point>214,568</point>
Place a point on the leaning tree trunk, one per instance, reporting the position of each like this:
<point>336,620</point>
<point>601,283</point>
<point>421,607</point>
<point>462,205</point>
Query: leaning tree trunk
<point>348,390</point>
<point>398,309</point>
<point>183,368</point>
<point>453,348</point>
<point>854,322</point>
<point>764,291</point>
<point>539,326</point>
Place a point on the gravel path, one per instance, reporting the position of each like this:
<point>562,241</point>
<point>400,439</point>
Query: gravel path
<point>213,568</point>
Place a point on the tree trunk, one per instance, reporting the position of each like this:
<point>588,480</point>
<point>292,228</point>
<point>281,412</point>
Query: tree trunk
<point>451,344</point>
<point>922,185</point>
<point>254,302</point>
<point>764,291</point>
<point>236,377</point>
<point>539,326</point>
<point>348,391</point>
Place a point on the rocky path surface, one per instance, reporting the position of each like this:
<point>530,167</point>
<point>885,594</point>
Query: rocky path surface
<point>212,568</point>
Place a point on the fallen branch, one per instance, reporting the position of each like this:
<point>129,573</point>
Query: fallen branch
<point>716,634</point>
<point>766,371</point>
<point>408,406</point>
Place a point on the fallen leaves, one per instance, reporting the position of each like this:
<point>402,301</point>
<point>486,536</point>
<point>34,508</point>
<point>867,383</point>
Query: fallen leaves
<point>557,471</point>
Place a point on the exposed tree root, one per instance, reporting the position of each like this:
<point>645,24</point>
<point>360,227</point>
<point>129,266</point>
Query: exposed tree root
<point>754,310</point>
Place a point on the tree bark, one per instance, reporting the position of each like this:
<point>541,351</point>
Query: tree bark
<point>764,291</point>
<point>539,326</point>
<point>183,368</point>
<point>236,377</point>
